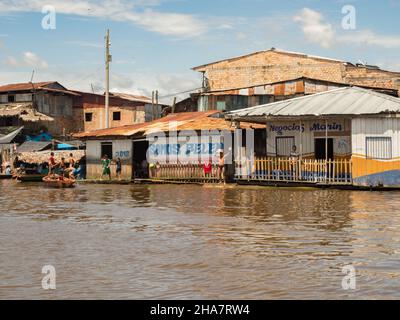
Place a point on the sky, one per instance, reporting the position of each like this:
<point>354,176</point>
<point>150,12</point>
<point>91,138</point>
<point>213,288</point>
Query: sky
<point>155,43</point>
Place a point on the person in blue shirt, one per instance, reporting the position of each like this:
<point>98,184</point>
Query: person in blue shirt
<point>8,171</point>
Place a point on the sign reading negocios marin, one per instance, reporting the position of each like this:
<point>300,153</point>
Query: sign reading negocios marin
<point>311,127</point>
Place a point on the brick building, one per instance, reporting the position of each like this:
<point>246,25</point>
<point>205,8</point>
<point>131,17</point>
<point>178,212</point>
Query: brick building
<point>124,109</point>
<point>273,75</point>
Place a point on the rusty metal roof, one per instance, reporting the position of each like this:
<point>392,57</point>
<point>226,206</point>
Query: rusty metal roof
<point>208,120</point>
<point>28,86</point>
<point>131,97</point>
<point>24,86</point>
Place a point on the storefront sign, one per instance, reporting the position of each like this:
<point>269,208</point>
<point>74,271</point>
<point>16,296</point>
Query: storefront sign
<point>312,127</point>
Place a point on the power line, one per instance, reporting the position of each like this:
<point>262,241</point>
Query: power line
<point>179,93</point>
<point>87,76</point>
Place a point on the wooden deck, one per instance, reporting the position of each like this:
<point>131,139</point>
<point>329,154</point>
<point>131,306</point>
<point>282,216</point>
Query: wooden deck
<point>296,171</point>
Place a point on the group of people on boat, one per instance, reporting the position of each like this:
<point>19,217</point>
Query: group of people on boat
<point>64,169</point>
<point>5,168</point>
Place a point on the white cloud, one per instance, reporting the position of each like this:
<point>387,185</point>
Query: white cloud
<point>369,38</point>
<point>315,28</point>
<point>172,24</point>
<point>28,59</point>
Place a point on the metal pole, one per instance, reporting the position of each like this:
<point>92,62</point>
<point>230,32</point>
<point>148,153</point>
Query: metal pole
<point>156,111</point>
<point>301,150</point>
<point>152,106</point>
<point>326,140</point>
<point>107,97</point>
<point>326,149</point>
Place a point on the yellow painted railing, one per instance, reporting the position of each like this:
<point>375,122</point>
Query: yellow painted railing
<point>297,170</point>
<point>182,172</point>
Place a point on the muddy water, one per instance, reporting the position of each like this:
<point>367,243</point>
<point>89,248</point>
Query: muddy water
<point>192,242</point>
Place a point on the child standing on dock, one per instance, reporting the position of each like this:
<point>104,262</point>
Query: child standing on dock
<point>118,168</point>
<point>105,162</point>
<point>207,167</point>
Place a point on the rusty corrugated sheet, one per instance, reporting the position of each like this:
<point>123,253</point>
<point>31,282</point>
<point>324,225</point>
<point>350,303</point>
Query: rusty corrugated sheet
<point>173,122</point>
<point>24,86</point>
<point>28,86</point>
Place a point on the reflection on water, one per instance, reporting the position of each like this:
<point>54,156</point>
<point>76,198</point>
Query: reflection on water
<point>177,242</point>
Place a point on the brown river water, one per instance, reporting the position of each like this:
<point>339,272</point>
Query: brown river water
<point>193,242</point>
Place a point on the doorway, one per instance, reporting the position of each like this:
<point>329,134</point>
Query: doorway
<point>140,164</point>
<point>320,149</point>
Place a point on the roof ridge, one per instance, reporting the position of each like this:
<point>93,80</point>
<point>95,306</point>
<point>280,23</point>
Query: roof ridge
<point>271,50</point>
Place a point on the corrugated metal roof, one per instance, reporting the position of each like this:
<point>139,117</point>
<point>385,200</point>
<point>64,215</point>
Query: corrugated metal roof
<point>130,97</point>
<point>28,86</point>
<point>32,146</point>
<point>343,101</point>
<point>207,120</point>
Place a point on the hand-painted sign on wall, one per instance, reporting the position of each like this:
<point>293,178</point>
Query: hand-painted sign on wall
<point>312,127</point>
<point>163,150</point>
<point>122,154</point>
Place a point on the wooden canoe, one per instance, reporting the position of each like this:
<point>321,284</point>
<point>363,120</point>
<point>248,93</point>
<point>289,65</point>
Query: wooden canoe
<point>30,177</point>
<point>54,182</point>
<point>6,176</point>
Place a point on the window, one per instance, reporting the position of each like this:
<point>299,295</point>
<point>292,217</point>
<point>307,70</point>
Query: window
<point>379,148</point>
<point>107,149</point>
<point>264,99</point>
<point>88,116</point>
<point>117,116</point>
<point>11,98</point>
<point>284,146</point>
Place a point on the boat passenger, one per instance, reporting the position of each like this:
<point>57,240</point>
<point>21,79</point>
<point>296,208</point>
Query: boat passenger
<point>52,163</point>
<point>8,170</point>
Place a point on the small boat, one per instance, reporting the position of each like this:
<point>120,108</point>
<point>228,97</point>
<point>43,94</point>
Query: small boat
<point>6,176</point>
<point>30,177</point>
<point>59,183</point>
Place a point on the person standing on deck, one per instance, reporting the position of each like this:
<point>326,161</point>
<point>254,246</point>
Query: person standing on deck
<point>207,168</point>
<point>106,162</point>
<point>294,162</point>
<point>221,167</point>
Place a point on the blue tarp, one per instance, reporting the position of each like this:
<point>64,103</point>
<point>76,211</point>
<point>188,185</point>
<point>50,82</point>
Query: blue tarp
<point>65,146</point>
<point>40,137</point>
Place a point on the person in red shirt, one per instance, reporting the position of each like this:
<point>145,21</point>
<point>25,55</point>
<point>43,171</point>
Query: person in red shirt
<point>207,167</point>
<point>52,163</point>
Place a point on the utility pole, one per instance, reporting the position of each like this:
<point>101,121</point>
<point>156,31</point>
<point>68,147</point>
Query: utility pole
<point>156,111</point>
<point>108,60</point>
<point>152,105</point>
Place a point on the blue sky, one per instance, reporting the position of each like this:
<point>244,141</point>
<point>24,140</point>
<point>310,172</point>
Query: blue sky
<point>156,42</point>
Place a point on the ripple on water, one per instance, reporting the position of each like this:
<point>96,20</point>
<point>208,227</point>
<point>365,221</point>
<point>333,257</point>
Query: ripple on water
<point>180,242</point>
